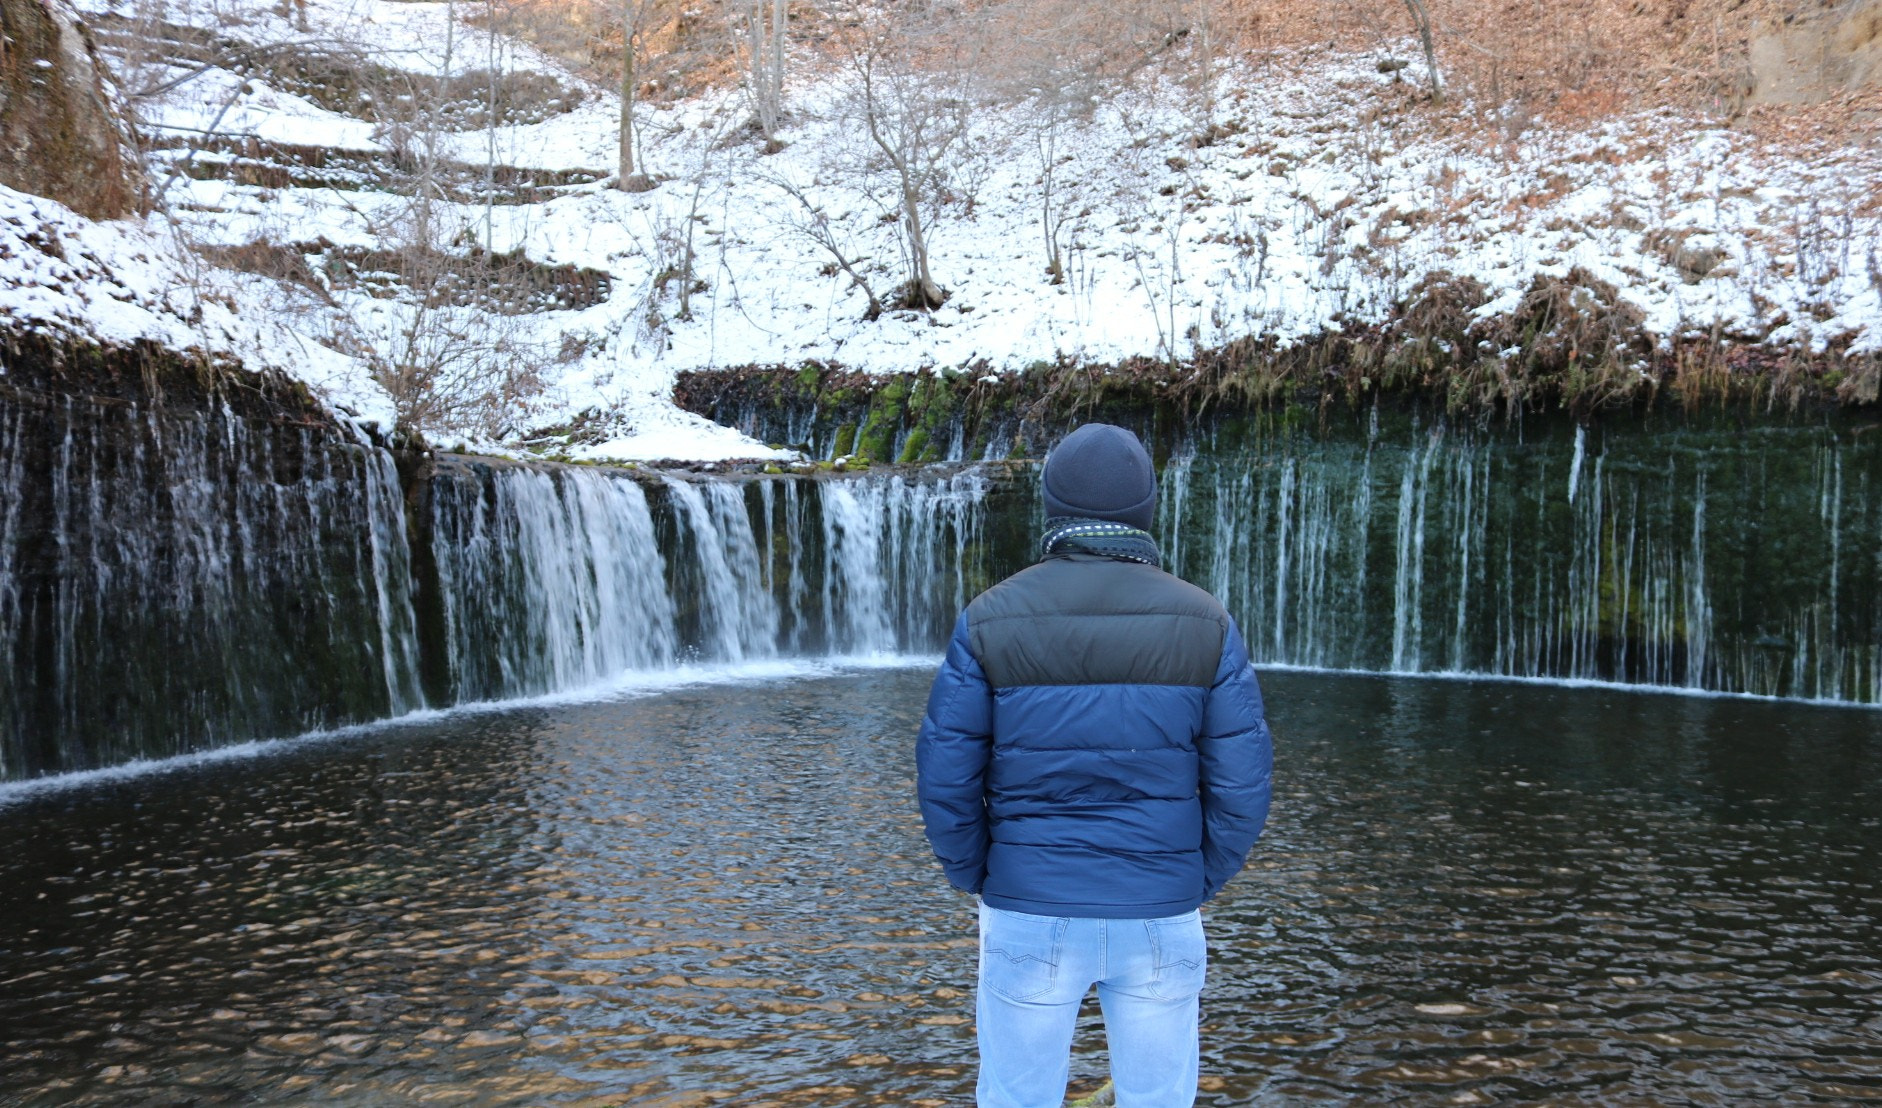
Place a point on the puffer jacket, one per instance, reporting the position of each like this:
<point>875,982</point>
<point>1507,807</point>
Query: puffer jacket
<point>1094,744</point>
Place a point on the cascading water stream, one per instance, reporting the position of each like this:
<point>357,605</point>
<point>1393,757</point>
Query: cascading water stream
<point>172,581</point>
<point>739,611</point>
<point>546,581</point>
<point>175,581</point>
<point>1690,558</point>
<point>552,580</point>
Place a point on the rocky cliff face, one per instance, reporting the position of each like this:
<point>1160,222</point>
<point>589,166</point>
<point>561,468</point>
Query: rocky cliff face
<point>1814,58</point>
<point>60,134</point>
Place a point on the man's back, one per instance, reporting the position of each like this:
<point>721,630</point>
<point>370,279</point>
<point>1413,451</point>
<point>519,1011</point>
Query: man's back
<point>1101,671</point>
<point>1094,762</point>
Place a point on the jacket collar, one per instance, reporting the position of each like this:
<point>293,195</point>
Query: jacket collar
<point>1073,535</point>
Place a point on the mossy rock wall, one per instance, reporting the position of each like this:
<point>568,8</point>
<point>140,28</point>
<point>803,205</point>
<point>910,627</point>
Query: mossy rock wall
<point>1568,344</point>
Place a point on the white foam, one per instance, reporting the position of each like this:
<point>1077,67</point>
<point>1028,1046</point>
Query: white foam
<point>626,687</point>
<point>1468,677</point>
<point>679,678</point>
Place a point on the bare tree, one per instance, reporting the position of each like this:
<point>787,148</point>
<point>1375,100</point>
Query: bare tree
<point>811,221</point>
<point>1421,18</point>
<point>916,119</point>
<point>1203,23</point>
<point>1051,120</point>
<point>636,15</point>
<point>761,24</point>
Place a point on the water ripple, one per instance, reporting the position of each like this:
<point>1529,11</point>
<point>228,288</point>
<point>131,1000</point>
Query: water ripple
<point>1470,894</point>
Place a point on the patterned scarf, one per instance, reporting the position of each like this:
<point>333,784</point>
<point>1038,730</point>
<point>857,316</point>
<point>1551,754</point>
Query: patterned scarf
<point>1070,534</point>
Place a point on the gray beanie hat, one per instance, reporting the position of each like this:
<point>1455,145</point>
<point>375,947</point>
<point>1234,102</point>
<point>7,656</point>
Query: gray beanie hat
<point>1101,472</point>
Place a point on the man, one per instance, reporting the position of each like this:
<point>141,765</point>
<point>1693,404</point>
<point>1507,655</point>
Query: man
<point>1094,763</point>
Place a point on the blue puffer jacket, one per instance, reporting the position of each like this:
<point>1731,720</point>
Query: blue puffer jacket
<point>1094,744</point>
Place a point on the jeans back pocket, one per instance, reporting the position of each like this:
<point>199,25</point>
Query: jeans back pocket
<point>1019,953</point>
<point>1180,953</point>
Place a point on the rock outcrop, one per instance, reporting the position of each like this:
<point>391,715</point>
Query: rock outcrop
<point>1809,60</point>
<point>61,136</point>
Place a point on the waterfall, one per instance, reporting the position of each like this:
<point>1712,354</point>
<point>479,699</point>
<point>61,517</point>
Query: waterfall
<point>546,581</point>
<point>171,580</point>
<point>175,581</point>
<point>1683,557</point>
<point>897,561</point>
<point>855,604</point>
<point>739,613</point>
<point>551,580</point>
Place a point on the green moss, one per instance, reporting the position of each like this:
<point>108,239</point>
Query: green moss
<point>933,404</point>
<point>845,439</point>
<point>915,449</point>
<point>887,410</point>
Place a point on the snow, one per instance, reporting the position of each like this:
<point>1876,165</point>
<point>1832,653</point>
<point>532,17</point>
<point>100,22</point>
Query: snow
<point>1329,199</point>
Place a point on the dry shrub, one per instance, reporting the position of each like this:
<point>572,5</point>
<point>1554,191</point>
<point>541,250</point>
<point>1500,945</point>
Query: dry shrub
<point>1700,370</point>
<point>1861,381</point>
<point>1433,324</point>
<point>1575,337</point>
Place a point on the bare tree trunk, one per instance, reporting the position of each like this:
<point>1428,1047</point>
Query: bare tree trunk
<point>1205,20</point>
<point>764,62</point>
<point>927,293</point>
<point>490,125</point>
<point>1421,17</point>
<point>778,18</point>
<point>1049,219</point>
<point>625,178</point>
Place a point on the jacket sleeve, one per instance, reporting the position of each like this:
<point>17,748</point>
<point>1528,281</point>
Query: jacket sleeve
<point>951,755</point>
<point>1237,765</point>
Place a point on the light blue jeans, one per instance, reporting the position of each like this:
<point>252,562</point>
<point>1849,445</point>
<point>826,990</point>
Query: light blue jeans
<point>1034,971</point>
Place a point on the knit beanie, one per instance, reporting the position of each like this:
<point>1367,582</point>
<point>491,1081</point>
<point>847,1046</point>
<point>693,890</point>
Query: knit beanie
<point>1101,472</point>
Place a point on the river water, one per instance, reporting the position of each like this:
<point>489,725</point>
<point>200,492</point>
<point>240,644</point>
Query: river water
<point>719,894</point>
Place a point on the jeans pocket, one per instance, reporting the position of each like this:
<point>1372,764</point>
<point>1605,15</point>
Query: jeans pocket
<point>1019,953</point>
<point>1180,953</point>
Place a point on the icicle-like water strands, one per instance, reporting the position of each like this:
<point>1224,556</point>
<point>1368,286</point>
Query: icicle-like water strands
<point>1688,557</point>
<point>735,612</point>
<point>174,583</point>
<point>896,565</point>
<point>171,581</point>
<point>548,580</point>
<point>552,580</point>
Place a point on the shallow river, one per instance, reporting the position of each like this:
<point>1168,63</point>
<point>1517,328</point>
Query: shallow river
<point>1470,893</point>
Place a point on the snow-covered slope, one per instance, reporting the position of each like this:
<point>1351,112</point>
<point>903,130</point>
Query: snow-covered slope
<point>1317,196</point>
